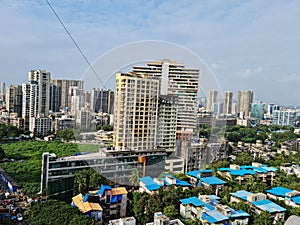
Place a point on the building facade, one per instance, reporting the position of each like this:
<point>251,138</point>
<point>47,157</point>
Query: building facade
<point>64,85</point>
<point>227,105</point>
<point>14,99</point>
<point>136,112</point>
<point>211,99</point>
<point>245,99</point>
<point>177,80</point>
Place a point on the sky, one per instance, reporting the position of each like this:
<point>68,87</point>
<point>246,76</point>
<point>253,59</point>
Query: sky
<point>249,45</point>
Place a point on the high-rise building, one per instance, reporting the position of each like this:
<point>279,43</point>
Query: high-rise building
<point>136,112</point>
<point>284,117</point>
<point>2,88</point>
<point>25,104</point>
<point>39,81</point>
<point>212,97</point>
<point>102,101</point>
<point>64,86</point>
<point>257,110</point>
<point>2,92</point>
<point>245,99</point>
<point>36,94</point>
<point>177,80</point>
<point>227,107</point>
<point>167,117</point>
<point>54,98</point>
<point>14,99</point>
<point>77,97</point>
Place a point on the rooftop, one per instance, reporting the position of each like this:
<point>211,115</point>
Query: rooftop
<point>241,194</point>
<point>213,216</point>
<point>149,183</point>
<point>269,206</point>
<point>279,191</point>
<point>81,203</point>
<point>212,180</point>
<point>195,202</point>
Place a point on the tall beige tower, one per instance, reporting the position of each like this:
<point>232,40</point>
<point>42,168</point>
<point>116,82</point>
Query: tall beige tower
<point>245,99</point>
<point>227,105</point>
<point>212,97</point>
<point>136,112</point>
<point>180,81</point>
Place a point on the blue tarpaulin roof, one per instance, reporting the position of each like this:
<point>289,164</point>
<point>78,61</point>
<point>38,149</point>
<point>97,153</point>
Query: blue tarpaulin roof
<point>146,180</point>
<point>242,172</point>
<point>149,183</point>
<point>296,200</point>
<point>241,194</point>
<point>238,213</point>
<point>195,173</point>
<point>214,216</point>
<point>269,206</point>
<point>103,188</point>
<point>196,202</point>
<point>212,180</point>
<point>178,182</point>
<point>225,169</point>
<point>279,191</point>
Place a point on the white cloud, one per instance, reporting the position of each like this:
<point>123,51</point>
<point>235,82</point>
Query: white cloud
<point>290,78</point>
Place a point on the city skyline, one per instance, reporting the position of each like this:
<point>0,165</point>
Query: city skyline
<point>249,45</point>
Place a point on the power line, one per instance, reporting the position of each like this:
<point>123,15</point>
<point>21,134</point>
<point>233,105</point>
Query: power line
<point>75,43</point>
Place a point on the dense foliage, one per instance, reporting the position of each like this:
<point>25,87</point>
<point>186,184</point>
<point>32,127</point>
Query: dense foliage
<point>26,160</point>
<point>144,205</point>
<point>8,131</point>
<point>86,180</point>
<point>54,212</point>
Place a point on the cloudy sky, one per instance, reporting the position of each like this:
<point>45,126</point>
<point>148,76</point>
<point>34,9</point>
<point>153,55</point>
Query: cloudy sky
<point>249,45</point>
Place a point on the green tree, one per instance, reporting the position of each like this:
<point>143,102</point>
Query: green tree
<point>86,180</point>
<point>243,159</point>
<point>67,134</point>
<point>263,219</point>
<point>171,211</point>
<point>2,154</point>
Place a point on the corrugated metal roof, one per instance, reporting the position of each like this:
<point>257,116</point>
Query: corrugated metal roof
<point>279,191</point>
<point>195,202</point>
<point>195,173</point>
<point>85,207</point>
<point>177,181</point>
<point>296,200</point>
<point>149,183</point>
<point>241,194</point>
<point>212,180</point>
<point>223,169</point>
<point>238,213</point>
<point>146,180</point>
<point>269,206</point>
<point>242,172</point>
<point>119,191</point>
<point>215,216</point>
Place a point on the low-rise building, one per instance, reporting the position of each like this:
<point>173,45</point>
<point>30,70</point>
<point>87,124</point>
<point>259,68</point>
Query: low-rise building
<point>147,184</point>
<point>208,210</point>
<point>161,219</point>
<point>242,174</point>
<point>123,221</point>
<point>259,203</point>
<point>202,178</point>
<point>90,208</point>
<point>290,197</point>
